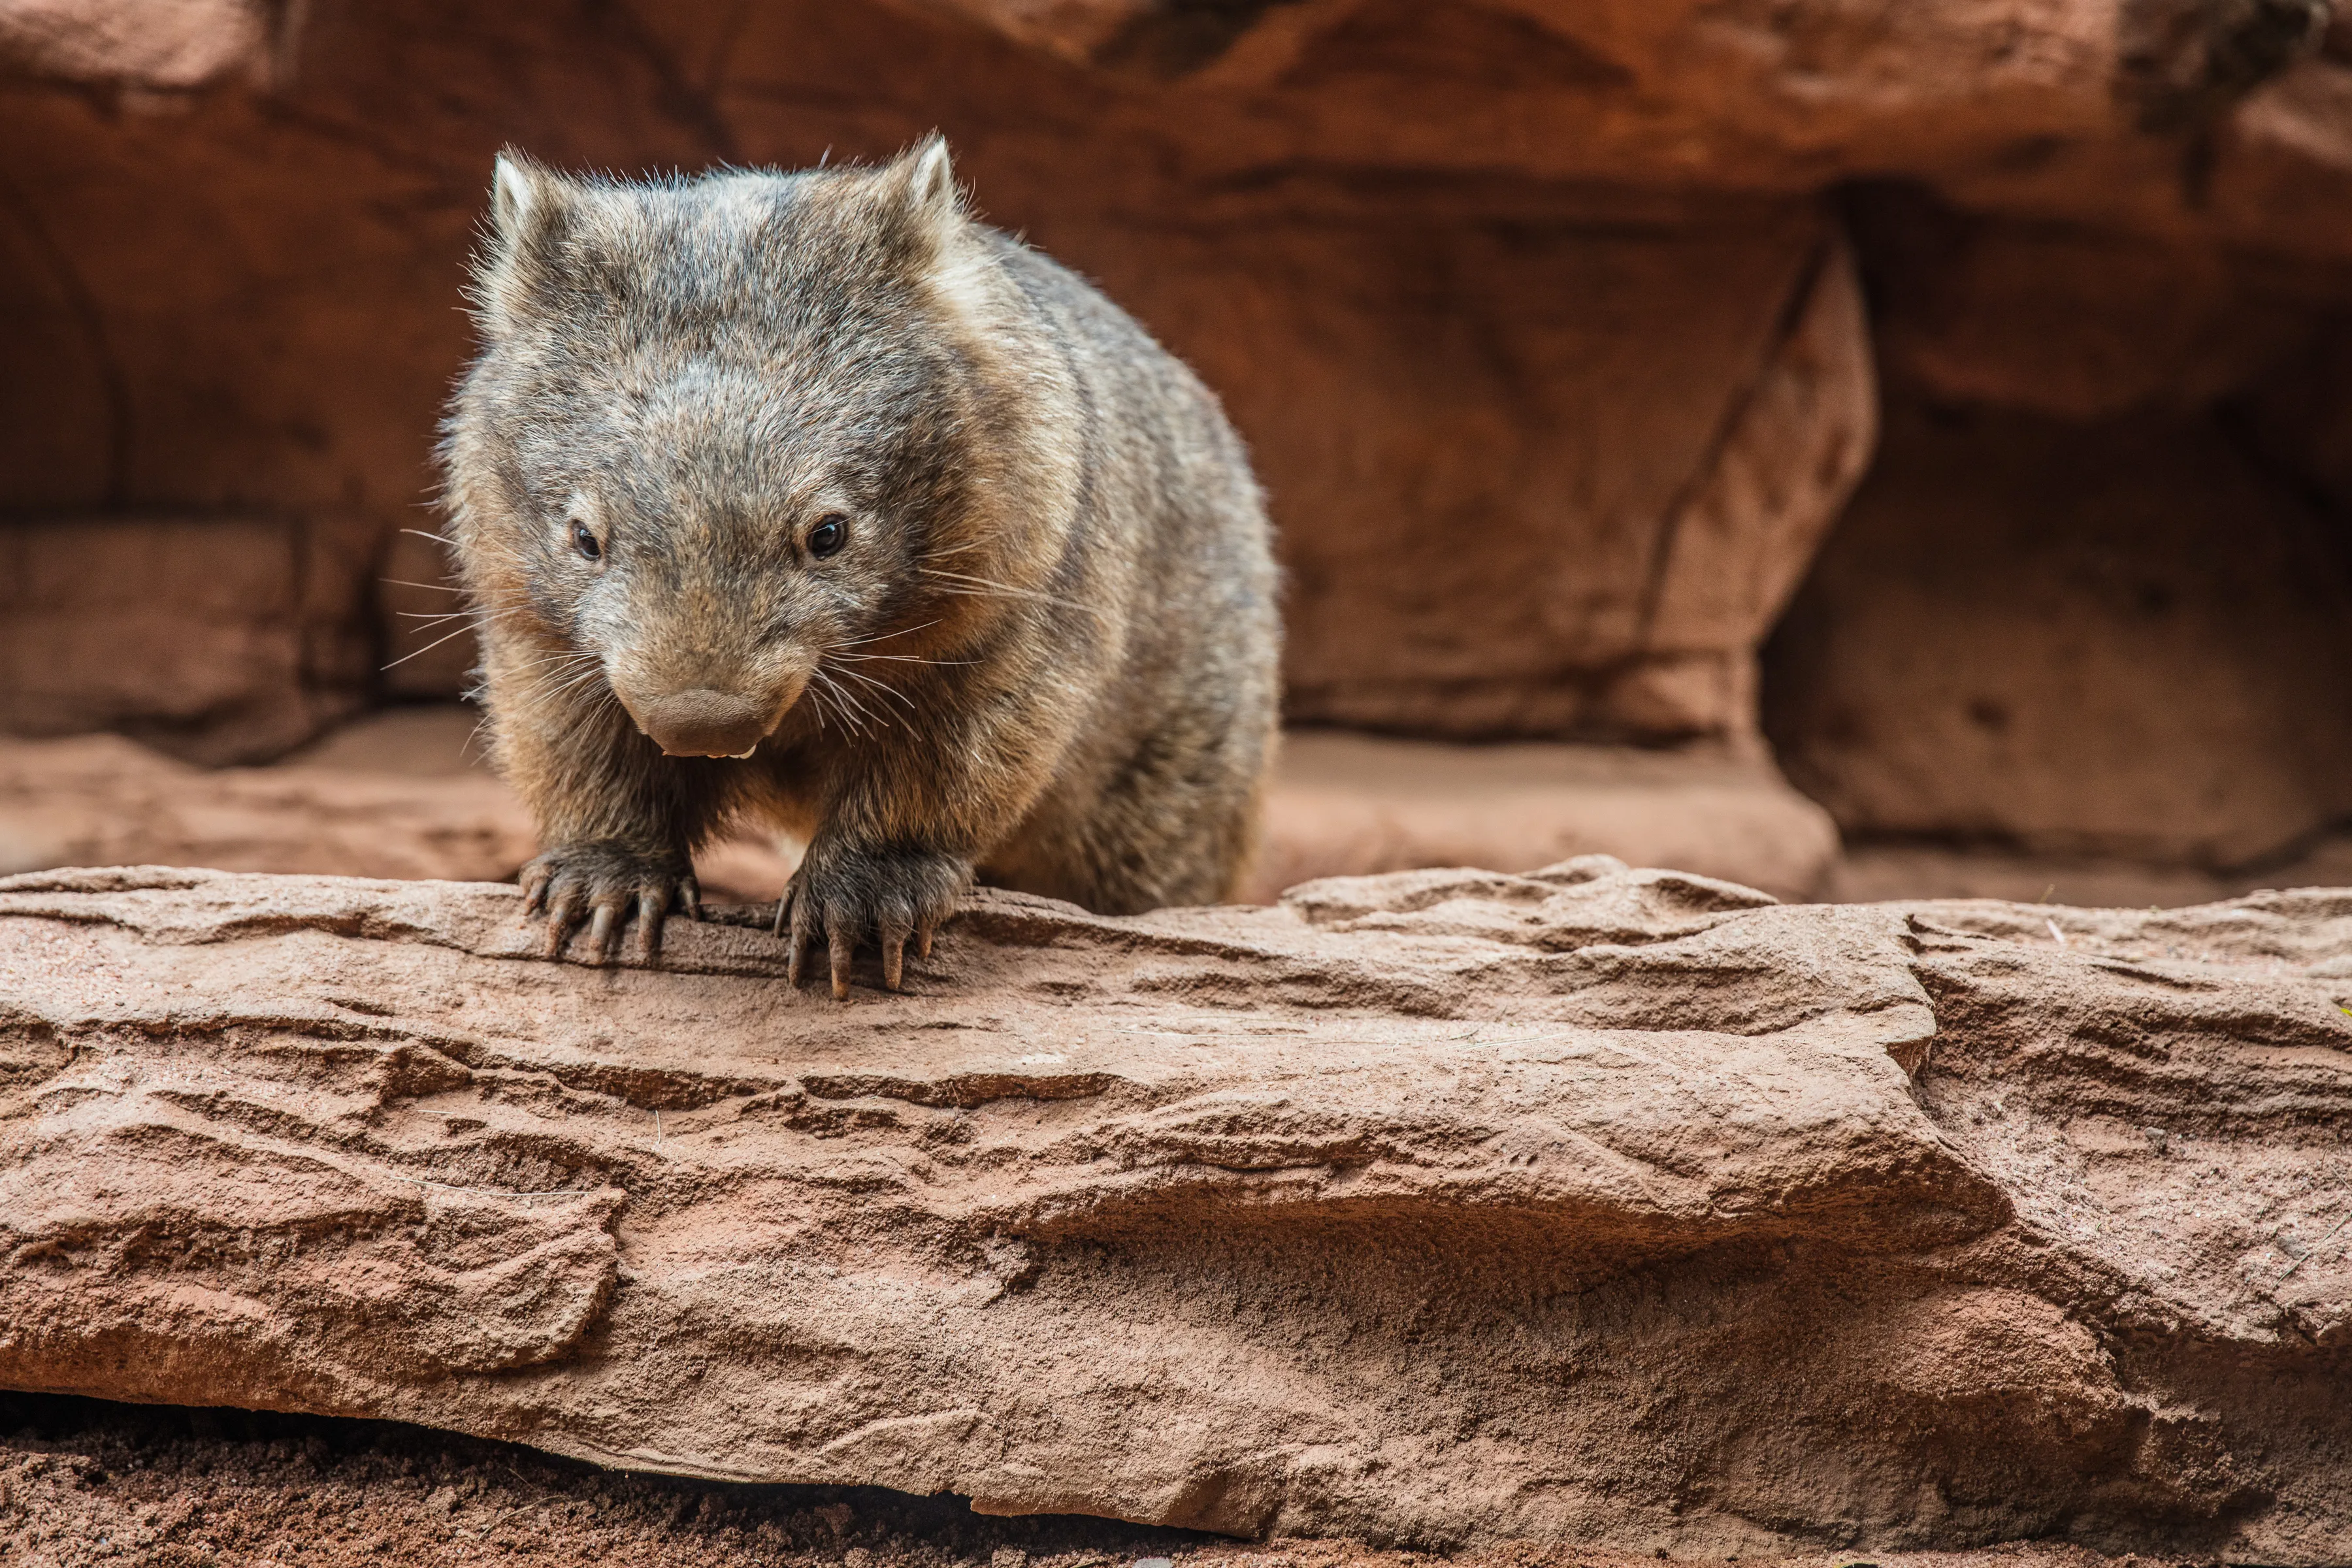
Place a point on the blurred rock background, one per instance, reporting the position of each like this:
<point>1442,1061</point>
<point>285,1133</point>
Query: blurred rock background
<point>1943,408</point>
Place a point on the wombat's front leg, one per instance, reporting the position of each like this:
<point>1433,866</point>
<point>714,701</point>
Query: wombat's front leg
<point>844,894</point>
<point>619,820</point>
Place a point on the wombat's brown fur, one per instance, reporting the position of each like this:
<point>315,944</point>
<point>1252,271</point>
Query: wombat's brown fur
<point>806,497</point>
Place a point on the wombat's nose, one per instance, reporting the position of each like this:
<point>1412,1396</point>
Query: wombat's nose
<point>701,723</point>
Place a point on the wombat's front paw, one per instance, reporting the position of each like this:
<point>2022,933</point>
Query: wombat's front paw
<point>843,897</point>
<point>576,881</point>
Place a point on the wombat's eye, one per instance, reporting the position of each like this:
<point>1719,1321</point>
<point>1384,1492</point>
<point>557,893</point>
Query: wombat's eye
<point>830,534</point>
<point>585,542</point>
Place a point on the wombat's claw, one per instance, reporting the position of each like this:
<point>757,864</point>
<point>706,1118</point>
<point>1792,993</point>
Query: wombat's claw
<point>895,902</point>
<point>841,950</point>
<point>601,884</point>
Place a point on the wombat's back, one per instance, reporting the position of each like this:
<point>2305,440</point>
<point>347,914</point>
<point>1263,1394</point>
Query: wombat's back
<point>1156,801</point>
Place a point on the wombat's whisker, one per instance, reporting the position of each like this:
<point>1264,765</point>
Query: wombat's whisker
<point>885,637</point>
<point>570,656</point>
<point>570,690</point>
<point>405,583</point>
<point>572,672</point>
<point>897,657</point>
<point>883,688</point>
<point>863,711</point>
<point>822,708</point>
<point>559,664</point>
<point>437,642</point>
<point>569,653</point>
<point>1008,591</point>
<point>848,705</point>
<point>576,680</point>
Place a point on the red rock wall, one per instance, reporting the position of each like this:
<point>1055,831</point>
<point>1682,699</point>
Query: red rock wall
<point>1542,318</point>
<point>2096,595</point>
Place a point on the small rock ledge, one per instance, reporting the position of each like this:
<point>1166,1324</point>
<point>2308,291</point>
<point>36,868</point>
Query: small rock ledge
<point>1622,1207</point>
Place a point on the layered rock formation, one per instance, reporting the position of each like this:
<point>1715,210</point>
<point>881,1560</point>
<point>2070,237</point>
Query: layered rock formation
<point>1542,318</point>
<point>2095,596</point>
<point>1622,1208</point>
<point>2121,640</point>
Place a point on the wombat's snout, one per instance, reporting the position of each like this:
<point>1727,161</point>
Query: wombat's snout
<point>700,722</point>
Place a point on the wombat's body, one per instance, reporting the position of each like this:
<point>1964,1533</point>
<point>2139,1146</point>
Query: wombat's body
<point>816,468</point>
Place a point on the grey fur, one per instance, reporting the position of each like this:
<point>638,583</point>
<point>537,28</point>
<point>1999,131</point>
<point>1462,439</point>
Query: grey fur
<point>1047,650</point>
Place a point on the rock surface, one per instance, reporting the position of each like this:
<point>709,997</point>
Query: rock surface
<point>2125,638</point>
<point>1622,1208</point>
<point>217,640</point>
<point>1537,316</point>
<point>405,792</point>
<point>84,1483</point>
<point>1689,406</point>
<point>1345,804</point>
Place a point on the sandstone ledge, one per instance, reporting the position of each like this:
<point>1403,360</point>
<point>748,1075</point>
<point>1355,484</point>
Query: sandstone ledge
<point>1624,1208</point>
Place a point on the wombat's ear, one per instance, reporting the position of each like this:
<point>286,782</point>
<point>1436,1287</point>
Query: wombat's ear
<point>527,205</point>
<point>919,186</point>
<point>523,198</point>
<point>514,188</point>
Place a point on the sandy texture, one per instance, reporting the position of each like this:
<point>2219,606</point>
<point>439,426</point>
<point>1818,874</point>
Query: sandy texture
<point>84,1482</point>
<point>1620,1208</point>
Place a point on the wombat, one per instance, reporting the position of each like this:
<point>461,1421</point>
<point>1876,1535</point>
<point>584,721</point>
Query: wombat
<point>807,499</point>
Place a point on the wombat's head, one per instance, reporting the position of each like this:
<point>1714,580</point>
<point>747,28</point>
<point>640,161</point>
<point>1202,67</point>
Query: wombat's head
<point>720,428</point>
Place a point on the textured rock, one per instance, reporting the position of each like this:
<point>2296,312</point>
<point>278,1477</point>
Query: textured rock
<point>81,1481</point>
<point>1621,1207</point>
<point>220,639</point>
<point>2123,639</point>
<point>2073,322</point>
<point>1343,804</point>
<point>1688,407</point>
<point>2079,106</point>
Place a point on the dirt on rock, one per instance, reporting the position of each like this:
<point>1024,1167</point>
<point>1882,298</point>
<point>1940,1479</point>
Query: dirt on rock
<point>85,1482</point>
